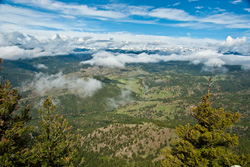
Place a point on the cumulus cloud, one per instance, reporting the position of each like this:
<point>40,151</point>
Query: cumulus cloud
<point>230,41</point>
<point>43,84</point>
<point>239,45</point>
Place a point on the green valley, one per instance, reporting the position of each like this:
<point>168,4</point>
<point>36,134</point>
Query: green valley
<point>132,115</point>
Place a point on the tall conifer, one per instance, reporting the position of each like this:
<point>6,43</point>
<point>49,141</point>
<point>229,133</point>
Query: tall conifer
<point>206,144</point>
<point>57,145</point>
<point>12,126</point>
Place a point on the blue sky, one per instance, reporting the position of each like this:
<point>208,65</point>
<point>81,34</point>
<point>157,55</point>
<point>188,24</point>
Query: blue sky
<point>174,18</point>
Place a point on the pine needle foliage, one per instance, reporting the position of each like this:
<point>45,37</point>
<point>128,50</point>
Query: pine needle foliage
<point>57,145</point>
<point>12,126</point>
<point>206,144</point>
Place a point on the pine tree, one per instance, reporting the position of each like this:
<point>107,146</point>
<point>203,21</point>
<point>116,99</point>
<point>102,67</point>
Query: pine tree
<point>57,145</point>
<point>207,143</point>
<point>12,126</point>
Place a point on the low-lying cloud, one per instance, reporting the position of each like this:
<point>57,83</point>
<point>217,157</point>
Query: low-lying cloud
<point>109,59</point>
<point>15,45</point>
<point>44,84</point>
<point>121,100</point>
<point>232,51</point>
<point>207,57</point>
<point>40,66</point>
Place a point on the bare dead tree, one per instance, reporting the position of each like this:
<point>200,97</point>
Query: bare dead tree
<point>210,80</point>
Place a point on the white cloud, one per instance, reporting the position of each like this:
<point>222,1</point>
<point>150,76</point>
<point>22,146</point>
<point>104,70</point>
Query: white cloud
<point>108,59</point>
<point>71,9</point>
<point>171,14</point>
<point>27,18</point>
<point>199,7</point>
<point>14,52</point>
<point>195,62</point>
<point>177,3</point>
<point>247,9</point>
<point>215,62</point>
<point>122,99</point>
<point>239,45</point>
<point>40,66</point>
<point>128,9</point>
<point>193,25</point>
<point>226,19</point>
<point>105,59</point>
<point>243,61</point>
<point>246,67</point>
<point>216,69</point>
<point>220,10</point>
<point>59,16</point>
<point>208,57</point>
<point>19,46</point>
<point>231,42</point>
<point>16,45</point>
<point>11,52</point>
<point>236,1</point>
<point>44,84</point>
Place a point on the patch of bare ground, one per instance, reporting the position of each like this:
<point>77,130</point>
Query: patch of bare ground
<point>129,140</point>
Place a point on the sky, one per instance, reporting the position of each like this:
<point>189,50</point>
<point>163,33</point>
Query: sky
<point>172,18</point>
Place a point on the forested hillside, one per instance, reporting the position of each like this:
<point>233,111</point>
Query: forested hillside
<point>130,114</point>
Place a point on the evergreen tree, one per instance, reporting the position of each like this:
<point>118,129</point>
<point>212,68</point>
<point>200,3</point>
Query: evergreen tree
<point>57,145</point>
<point>12,126</point>
<point>207,143</point>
